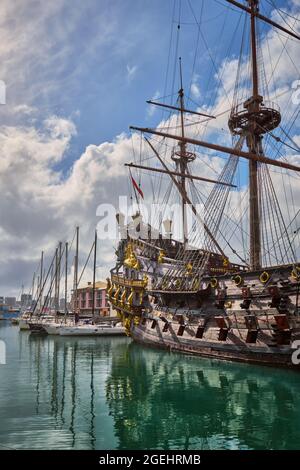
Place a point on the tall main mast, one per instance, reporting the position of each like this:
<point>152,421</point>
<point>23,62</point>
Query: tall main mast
<point>182,161</point>
<point>254,145</point>
<point>253,121</point>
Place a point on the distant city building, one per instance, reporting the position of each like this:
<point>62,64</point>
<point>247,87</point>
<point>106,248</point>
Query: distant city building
<point>26,300</point>
<point>85,299</point>
<point>62,303</point>
<point>1,299</point>
<point>10,301</point>
<point>49,302</point>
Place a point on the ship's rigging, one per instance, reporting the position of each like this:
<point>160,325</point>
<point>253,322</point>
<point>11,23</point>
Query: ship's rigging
<point>191,295</point>
<point>252,121</point>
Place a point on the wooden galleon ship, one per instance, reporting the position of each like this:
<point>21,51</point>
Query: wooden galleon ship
<point>200,295</point>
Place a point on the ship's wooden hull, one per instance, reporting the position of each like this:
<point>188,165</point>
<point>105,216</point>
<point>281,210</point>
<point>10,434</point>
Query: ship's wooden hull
<point>234,348</point>
<point>245,316</point>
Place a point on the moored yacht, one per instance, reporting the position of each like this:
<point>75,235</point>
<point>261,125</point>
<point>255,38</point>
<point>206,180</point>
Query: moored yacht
<point>104,329</point>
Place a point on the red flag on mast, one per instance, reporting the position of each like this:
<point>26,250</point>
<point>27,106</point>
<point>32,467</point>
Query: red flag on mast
<point>136,186</point>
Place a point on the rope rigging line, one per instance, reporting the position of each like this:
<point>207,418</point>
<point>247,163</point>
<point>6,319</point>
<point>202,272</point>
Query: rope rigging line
<point>272,3</point>
<point>280,12</point>
<point>214,210</point>
<point>195,54</point>
<point>208,50</point>
<point>86,263</point>
<point>274,226</point>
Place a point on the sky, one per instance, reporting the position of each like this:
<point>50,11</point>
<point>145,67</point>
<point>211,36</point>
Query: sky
<point>77,74</point>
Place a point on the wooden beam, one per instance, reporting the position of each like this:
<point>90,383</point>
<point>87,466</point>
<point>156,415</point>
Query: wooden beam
<point>220,148</point>
<point>175,173</point>
<point>180,109</point>
<point>264,18</point>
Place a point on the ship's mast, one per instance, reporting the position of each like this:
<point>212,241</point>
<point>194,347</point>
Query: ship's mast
<point>253,121</point>
<point>182,158</point>
<point>254,145</point>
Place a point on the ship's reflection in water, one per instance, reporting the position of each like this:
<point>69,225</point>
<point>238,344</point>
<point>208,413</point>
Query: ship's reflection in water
<point>161,400</point>
<point>109,393</point>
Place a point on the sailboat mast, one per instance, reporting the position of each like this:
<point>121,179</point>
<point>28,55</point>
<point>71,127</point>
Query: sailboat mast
<point>94,275</point>
<point>254,144</point>
<point>55,281</point>
<point>41,281</point>
<point>32,291</point>
<point>59,273</point>
<point>66,276</point>
<point>75,285</point>
<point>52,278</point>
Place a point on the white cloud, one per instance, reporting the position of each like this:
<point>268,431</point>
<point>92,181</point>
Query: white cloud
<point>195,90</point>
<point>24,109</point>
<point>152,108</point>
<point>40,206</point>
<point>131,71</point>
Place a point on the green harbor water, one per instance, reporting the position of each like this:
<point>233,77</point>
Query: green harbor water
<point>109,393</point>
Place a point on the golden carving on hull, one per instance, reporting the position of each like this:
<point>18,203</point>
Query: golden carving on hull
<point>131,260</point>
<point>110,290</point>
<point>295,274</point>
<point>145,280</point>
<point>130,298</point>
<point>189,269</point>
<point>136,264</point>
<point>123,297</point>
<point>128,253</point>
<point>116,296</point>
<point>161,257</point>
<point>127,326</point>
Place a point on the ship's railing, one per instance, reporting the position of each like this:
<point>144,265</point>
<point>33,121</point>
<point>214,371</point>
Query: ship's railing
<point>232,268</point>
<point>240,107</point>
<point>127,282</point>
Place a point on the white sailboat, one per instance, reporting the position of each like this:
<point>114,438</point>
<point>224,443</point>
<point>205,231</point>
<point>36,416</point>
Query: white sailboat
<point>102,329</point>
<point>92,329</point>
